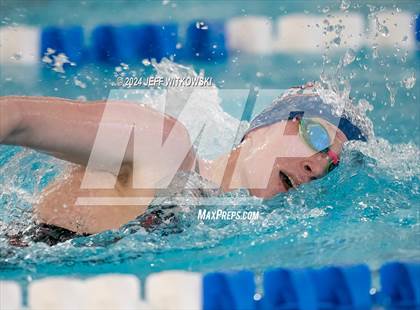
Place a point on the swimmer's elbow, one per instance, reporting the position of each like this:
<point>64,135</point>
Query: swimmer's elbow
<point>11,119</point>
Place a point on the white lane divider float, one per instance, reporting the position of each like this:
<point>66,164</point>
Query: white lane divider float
<point>19,45</point>
<point>10,296</point>
<point>173,290</point>
<point>392,29</point>
<point>314,33</point>
<point>104,292</point>
<point>252,34</point>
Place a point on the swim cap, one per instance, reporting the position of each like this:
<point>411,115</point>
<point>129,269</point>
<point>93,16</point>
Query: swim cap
<point>306,102</point>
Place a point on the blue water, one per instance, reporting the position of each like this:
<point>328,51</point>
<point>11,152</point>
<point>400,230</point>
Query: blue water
<point>367,210</point>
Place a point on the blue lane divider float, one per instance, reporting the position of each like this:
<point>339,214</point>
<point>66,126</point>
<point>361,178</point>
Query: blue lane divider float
<point>327,288</point>
<point>159,41</point>
<point>400,285</point>
<point>206,41</point>
<point>315,289</point>
<point>227,291</point>
<point>288,289</point>
<point>67,40</point>
<point>103,46</point>
<point>114,44</point>
<point>132,43</point>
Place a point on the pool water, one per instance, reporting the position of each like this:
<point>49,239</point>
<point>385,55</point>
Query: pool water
<point>367,210</point>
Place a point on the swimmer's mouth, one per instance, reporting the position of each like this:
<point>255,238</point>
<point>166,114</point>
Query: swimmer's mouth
<point>286,180</point>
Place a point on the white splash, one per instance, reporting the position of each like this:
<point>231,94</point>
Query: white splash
<point>349,57</point>
<point>207,109</point>
<point>409,80</point>
<point>400,161</point>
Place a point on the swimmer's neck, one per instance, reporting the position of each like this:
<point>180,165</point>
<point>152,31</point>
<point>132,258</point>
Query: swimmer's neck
<point>224,171</point>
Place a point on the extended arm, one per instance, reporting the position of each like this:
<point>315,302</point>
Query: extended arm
<point>67,129</point>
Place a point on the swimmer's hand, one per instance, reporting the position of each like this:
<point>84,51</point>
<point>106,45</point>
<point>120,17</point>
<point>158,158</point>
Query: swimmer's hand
<point>10,119</point>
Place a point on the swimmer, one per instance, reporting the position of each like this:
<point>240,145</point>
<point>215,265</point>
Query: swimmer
<point>294,141</point>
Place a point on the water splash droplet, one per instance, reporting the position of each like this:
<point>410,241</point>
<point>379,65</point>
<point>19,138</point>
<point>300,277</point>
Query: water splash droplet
<point>337,41</point>
<point>345,4</point>
<point>409,80</point>
<point>79,83</point>
<point>392,88</point>
<point>375,53</point>
<point>349,57</point>
<point>59,61</point>
<point>382,29</point>
<point>201,25</point>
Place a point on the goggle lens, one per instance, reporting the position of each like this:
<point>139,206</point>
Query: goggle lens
<point>317,137</point>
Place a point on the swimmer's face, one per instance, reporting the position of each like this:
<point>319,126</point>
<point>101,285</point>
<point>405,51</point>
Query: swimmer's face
<point>276,158</point>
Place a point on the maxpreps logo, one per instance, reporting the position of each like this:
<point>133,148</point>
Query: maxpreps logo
<point>227,215</point>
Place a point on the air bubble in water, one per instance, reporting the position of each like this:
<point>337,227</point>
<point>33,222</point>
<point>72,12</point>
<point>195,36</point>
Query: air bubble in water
<point>409,80</point>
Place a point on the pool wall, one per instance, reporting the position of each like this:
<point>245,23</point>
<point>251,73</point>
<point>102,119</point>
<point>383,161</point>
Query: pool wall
<point>348,287</point>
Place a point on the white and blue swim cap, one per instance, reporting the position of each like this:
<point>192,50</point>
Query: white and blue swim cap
<point>308,102</point>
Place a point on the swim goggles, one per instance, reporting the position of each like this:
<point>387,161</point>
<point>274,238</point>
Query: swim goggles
<point>317,138</point>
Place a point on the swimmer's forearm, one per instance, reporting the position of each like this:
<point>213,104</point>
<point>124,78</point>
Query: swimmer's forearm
<point>67,129</point>
<point>53,125</point>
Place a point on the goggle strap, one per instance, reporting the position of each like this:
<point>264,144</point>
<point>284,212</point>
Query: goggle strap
<point>334,157</point>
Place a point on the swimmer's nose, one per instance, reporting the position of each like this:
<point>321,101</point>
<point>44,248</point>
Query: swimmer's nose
<point>314,167</point>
